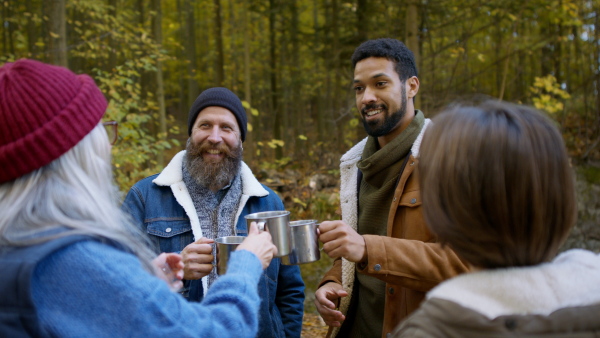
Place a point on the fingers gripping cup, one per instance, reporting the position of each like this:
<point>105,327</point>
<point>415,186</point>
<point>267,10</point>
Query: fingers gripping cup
<point>225,246</point>
<point>277,223</point>
<point>305,243</point>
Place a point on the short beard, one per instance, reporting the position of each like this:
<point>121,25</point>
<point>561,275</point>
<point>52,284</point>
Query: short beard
<point>212,175</point>
<point>389,122</point>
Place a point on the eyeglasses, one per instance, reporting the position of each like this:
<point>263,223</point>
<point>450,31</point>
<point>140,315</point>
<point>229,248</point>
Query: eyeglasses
<point>111,131</point>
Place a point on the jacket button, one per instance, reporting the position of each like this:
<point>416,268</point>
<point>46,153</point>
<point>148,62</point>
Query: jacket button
<point>394,199</point>
<point>388,335</point>
<point>168,229</point>
<point>413,201</point>
<point>391,291</point>
<point>377,267</point>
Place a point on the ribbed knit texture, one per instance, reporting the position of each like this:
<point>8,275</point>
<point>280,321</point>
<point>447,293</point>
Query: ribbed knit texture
<point>45,110</point>
<point>219,97</point>
<point>216,211</point>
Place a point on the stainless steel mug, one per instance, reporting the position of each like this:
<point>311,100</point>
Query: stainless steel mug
<point>305,243</point>
<point>225,246</point>
<point>277,223</point>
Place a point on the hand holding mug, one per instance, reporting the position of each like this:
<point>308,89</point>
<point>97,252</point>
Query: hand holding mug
<point>260,244</point>
<point>197,259</point>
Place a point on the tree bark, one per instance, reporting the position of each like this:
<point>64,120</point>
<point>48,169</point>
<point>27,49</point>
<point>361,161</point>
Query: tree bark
<point>58,32</point>
<point>190,52</point>
<point>219,65</point>
<point>412,37</point>
<point>273,76</point>
<point>160,92</point>
<point>112,55</point>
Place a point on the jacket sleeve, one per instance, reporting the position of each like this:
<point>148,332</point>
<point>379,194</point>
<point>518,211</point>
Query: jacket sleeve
<point>135,206</point>
<point>413,264</point>
<point>290,299</point>
<point>123,300</point>
<point>334,274</point>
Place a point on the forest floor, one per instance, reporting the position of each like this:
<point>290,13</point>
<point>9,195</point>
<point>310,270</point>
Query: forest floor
<point>313,326</point>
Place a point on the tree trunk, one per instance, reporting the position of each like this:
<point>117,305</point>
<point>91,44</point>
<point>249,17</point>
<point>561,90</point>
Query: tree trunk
<point>112,56</point>
<point>160,92</point>
<point>219,71</point>
<point>32,33</point>
<point>273,75</point>
<point>412,37</point>
<point>596,130</point>
<point>190,52</point>
<point>58,32</point>
<point>363,19</point>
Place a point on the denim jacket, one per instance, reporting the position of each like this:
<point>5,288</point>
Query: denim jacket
<point>161,205</point>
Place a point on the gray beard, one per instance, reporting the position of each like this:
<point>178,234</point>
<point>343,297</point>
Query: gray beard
<point>213,176</point>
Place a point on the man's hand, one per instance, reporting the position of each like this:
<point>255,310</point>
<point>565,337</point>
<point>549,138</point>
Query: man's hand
<point>326,298</point>
<point>340,240</point>
<point>197,259</point>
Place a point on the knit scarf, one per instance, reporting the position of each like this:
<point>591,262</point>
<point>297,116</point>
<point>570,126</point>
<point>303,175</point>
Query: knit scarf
<point>381,170</point>
<point>216,210</point>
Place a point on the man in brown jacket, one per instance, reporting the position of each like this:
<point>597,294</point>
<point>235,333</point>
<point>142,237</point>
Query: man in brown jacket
<point>386,258</point>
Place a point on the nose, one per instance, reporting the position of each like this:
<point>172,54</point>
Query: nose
<point>368,96</point>
<point>215,135</point>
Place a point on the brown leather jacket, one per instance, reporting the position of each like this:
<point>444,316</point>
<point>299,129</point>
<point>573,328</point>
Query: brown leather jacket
<point>407,259</point>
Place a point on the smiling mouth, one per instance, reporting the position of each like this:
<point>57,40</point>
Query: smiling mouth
<point>213,151</point>
<point>373,112</point>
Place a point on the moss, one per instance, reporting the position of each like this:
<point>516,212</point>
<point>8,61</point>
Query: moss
<point>590,173</point>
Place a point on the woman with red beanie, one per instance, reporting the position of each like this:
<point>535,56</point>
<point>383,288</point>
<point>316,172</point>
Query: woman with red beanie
<point>72,265</point>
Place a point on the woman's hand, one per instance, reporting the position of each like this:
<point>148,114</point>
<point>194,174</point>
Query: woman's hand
<point>169,267</point>
<point>260,244</point>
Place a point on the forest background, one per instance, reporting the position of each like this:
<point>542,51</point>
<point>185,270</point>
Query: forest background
<point>289,61</point>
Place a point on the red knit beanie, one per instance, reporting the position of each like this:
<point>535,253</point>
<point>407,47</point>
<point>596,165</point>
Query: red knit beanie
<point>45,110</point>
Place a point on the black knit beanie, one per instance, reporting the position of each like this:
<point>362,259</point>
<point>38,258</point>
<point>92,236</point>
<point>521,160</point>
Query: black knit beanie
<point>219,97</point>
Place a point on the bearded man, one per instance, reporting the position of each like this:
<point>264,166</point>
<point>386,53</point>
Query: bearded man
<point>204,193</point>
<point>386,258</point>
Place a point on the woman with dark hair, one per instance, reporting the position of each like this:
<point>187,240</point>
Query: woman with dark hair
<point>500,192</point>
<point>72,265</point>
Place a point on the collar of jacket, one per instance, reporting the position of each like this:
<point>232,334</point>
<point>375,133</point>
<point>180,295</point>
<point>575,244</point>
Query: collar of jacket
<point>173,173</point>
<point>172,176</point>
<point>571,279</point>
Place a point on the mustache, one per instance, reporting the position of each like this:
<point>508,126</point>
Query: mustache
<point>204,147</point>
<point>371,106</point>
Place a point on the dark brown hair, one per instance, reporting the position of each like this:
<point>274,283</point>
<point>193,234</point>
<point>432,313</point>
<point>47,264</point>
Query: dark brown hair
<point>497,185</point>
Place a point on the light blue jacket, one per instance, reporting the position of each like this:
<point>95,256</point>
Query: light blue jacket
<point>161,205</point>
<point>91,289</point>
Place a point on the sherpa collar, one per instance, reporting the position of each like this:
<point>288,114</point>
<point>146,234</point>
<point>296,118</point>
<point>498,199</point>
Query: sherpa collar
<point>571,279</point>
